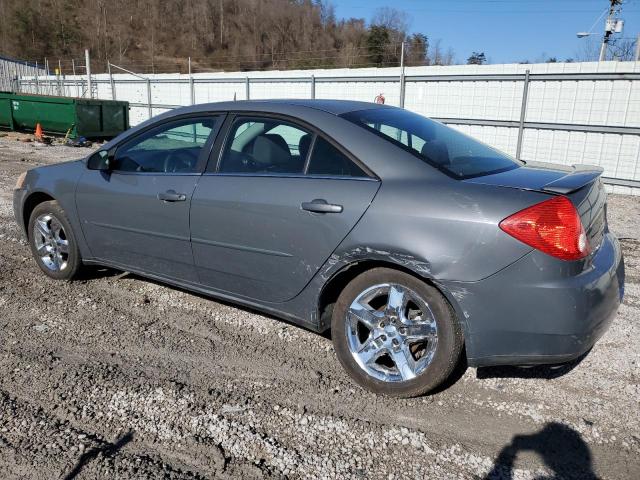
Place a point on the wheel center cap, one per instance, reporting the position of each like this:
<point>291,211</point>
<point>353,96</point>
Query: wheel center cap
<point>390,330</point>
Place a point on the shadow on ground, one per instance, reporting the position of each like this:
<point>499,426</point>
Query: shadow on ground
<point>108,449</point>
<point>539,371</point>
<point>560,447</point>
<point>96,272</point>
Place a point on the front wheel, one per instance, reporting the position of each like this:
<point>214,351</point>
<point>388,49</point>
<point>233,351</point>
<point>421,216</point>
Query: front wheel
<point>52,242</point>
<point>394,334</point>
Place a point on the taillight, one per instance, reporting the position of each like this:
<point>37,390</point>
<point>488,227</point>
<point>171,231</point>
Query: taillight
<point>552,226</point>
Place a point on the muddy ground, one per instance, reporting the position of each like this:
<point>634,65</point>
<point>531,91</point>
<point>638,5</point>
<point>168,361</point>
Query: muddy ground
<point>119,377</point>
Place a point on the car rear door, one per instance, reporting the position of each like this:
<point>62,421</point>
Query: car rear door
<point>136,215</point>
<point>275,207</point>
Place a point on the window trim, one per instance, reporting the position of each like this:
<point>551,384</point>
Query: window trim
<point>203,155</point>
<point>215,159</point>
<point>307,161</point>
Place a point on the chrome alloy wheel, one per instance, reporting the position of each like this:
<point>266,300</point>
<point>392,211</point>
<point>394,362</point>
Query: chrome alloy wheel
<point>51,242</point>
<point>391,332</point>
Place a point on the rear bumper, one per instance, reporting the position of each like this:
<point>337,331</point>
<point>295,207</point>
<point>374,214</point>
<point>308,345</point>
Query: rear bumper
<point>540,310</point>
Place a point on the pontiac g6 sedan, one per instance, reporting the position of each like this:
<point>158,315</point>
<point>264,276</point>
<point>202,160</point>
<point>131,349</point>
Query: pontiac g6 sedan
<point>415,244</point>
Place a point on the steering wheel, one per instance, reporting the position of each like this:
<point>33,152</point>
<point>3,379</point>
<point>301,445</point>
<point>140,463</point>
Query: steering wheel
<point>174,160</point>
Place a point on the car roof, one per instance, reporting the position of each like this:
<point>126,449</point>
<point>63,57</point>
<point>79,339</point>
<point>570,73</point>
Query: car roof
<point>335,107</point>
<point>294,107</point>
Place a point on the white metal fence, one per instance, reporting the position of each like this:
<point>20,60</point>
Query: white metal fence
<point>11,70</point>
<point>565,113</point>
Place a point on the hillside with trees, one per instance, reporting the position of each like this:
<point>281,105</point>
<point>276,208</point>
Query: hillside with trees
<point>158,36</point>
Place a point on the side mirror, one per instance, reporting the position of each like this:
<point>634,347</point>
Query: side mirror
<point>101,160</point>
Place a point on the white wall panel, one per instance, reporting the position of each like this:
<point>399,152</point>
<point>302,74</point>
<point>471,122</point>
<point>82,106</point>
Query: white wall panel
<point>613,103</point>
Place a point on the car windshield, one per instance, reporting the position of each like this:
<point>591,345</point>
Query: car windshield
<point>453,152</point>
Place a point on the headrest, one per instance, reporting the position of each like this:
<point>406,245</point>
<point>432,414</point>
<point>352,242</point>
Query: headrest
<point>304,144</point>
<point>270,149</point>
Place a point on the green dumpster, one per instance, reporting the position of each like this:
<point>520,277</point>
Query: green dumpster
<point>81,117</point>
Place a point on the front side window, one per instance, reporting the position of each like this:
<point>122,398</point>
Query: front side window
<point>265,146</point>
<point>171,148</point>
<point>443,147</point>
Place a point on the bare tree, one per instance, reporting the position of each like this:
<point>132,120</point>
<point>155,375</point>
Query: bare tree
<point>623,49</point>
<point>589,50</point>
<point>158,35</point>
<point>439,56</point>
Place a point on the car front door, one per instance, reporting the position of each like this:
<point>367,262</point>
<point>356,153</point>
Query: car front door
<point>136,213</point>
<point>273,210</point>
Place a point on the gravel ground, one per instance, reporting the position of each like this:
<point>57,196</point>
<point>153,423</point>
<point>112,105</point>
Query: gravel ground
<point>117,376</point>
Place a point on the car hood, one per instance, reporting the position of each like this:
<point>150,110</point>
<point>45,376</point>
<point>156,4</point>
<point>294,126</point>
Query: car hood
<point>543,177</point>
<point>59,164</point>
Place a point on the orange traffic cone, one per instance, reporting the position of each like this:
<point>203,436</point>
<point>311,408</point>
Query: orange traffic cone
<point>39,135</point>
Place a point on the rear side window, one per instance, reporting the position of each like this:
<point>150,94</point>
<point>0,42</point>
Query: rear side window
<point>272,146</point>
<point>449,150</point>
<point>328,160</point>
<point>265,146</point>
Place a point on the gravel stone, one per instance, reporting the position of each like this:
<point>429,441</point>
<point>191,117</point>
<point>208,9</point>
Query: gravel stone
<point>114,376</point>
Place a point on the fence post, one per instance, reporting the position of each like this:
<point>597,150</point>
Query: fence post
<point>113,85</point>
<point>313,86</point>
<point>192,92</point>
<point>75,79</point>
<point>23,73</point>
<point>87,63</point>
<point>247,88</point>
<point>402,79</point>
<point>47,85</point>
<point>4,77</point>
<point>523,113</point>
<point>149,97</point>
<point>60,78</point>
<point>37,82</point>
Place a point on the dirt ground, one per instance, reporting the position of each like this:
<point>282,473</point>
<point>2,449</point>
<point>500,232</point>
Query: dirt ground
<point>115,376</point>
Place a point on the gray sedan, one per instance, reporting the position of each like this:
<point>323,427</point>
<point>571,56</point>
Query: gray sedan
<point>418,246</point>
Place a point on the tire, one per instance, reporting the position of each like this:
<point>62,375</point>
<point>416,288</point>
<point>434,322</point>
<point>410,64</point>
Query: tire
<point>395,334</point>
<point>53,243</point>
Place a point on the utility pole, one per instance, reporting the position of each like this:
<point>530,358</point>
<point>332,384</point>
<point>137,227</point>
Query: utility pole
<point>609,28</point>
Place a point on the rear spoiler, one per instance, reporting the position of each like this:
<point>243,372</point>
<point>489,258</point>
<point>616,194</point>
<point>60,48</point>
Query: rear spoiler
<point>581,176</point>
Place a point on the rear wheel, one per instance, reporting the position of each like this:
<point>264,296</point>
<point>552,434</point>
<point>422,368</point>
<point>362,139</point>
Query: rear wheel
<point>395,334</point>
<point>52,242</point>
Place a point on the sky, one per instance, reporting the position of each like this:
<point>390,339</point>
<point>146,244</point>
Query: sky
<point>507,31</point>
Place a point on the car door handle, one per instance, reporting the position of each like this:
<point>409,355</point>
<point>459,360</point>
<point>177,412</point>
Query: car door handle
<point>172,196</point>
<point>321,206</point>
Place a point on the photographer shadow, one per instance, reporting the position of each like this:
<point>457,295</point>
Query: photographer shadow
<point>560,447</point>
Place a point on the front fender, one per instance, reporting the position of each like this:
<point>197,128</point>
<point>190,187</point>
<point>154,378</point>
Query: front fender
<point>58,182</point>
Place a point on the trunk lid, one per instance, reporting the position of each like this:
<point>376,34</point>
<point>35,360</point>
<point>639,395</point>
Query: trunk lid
<point>582,184</point>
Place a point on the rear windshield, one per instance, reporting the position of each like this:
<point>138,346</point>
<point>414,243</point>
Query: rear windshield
<point>453,152</point>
